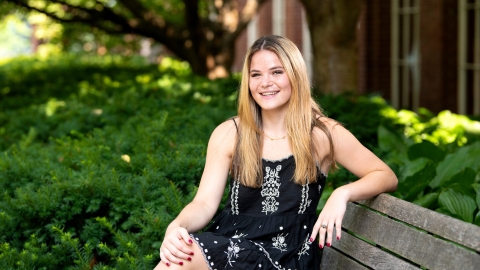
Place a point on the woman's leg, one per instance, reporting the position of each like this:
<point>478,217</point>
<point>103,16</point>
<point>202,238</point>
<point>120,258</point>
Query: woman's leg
<point>197,263</point>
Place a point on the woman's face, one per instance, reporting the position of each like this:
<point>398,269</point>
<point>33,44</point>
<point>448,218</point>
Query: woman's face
<point>268,83</point>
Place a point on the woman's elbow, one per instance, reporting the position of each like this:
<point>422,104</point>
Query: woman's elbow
<point>392,182</point>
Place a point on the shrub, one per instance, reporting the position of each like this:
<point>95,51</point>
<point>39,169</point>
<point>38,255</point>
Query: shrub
<point>98,155</point>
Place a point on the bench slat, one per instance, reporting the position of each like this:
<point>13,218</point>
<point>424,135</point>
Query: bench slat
<point>369,255</point>
<point>447,227</point>
<point>332,259</point>
<point>415,245</point>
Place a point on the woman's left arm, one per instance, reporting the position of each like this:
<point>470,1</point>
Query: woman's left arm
<point>374,175</point>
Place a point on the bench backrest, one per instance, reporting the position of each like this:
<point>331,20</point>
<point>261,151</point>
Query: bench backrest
<point>388,233</point>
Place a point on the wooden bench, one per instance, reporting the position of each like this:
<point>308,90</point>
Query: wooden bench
<point>388,233</point>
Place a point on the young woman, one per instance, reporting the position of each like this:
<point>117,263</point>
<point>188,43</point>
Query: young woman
<point>278,151</point>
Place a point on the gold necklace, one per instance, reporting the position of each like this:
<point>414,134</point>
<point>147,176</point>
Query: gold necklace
<point>274,139</point>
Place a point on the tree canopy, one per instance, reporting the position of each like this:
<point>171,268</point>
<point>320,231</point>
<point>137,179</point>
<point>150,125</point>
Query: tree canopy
<point>201,32</point>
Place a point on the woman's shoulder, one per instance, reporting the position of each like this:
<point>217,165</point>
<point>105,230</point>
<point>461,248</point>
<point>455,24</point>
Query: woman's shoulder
<point>324,122</point>
<point>226,131</point>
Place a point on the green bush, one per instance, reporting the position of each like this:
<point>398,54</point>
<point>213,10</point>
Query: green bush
<point>436,160</point>
<point>98,155</point>
<point>95,165</point>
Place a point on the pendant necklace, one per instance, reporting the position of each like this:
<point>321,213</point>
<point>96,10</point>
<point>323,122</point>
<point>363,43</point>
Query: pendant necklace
<point>274,139</point>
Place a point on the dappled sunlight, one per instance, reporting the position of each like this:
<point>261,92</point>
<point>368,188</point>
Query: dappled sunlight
<point>445,128</point>
<point>52,106</point>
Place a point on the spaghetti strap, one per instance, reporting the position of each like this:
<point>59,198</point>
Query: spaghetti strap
<point>235,123</point>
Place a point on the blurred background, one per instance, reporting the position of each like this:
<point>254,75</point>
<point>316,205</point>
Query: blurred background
<point>413,53</point>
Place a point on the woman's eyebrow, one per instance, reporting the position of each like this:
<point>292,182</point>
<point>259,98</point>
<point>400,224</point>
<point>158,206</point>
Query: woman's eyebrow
<point>272,68</point>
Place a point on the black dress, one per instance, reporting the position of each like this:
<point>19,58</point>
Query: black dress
<point>267,227</point>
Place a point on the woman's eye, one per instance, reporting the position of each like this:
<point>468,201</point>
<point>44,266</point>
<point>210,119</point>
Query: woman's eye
<point>278,72</point>
<point>255,75</point>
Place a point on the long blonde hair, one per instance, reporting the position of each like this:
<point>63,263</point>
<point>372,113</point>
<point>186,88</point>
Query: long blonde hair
<point>303,114</point>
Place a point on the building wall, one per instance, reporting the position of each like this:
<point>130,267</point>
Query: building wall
<point>438,46</point>
<point>374,48</point>
<point>263,25</point>
<point>438,52</point>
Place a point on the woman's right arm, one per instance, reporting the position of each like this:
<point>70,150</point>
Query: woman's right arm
<point>176,245</point>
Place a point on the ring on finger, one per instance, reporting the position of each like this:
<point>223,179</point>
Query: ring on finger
<point>324,226</point>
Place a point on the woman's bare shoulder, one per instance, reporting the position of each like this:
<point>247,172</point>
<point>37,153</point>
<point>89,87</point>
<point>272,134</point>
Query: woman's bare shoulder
<point>329,123</point>
<point>225,133</point>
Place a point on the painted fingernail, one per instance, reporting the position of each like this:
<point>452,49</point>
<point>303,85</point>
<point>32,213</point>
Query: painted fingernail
<point>181,263</point>
<point>189,258</point>
<point>328,244</point>
<point>311,240</point>
<point>168,264</point>
<point>190,241</point>
<point>191,253</point>
<point>320,246</point>
<point>338,237</point>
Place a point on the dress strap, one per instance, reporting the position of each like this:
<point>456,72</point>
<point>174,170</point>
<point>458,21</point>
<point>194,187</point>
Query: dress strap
<point>236,126</point>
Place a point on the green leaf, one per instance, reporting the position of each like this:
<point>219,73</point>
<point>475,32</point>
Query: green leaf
<point>427,200</point>
<point>426,149</point>
<point>389,140</point>
<point>458,204</point>
<point>416,183</point>
<point>411,167</point>
<point>465,157</point>
<point>462,182</point>
<point>477,219</point>
<point>476,187</point>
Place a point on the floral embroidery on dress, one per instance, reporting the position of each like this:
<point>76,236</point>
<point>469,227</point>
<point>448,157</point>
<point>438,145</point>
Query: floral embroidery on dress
<point>305,201</point>
<point>305,247</point>
<point>270,189</point>
<point>279,242</point>
<point>237,236</point>
<point>234,197</point>
<point>232,253</point>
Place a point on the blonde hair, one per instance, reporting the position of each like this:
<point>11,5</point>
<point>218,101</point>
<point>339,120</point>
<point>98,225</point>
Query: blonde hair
<point>303,114</point>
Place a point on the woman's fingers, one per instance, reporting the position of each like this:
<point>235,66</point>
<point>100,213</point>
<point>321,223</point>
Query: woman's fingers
<point>329,228</point>
<point>325,230</point>
<point>163,258</point>
<point>339,229</point>
<point>176,248</point>
<point>179,250</point>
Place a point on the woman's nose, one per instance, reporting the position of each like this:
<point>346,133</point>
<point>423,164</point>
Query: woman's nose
<point>266,81</point>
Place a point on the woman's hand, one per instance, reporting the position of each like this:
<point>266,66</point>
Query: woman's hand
<point>176,246</point>
<point>331,218</point>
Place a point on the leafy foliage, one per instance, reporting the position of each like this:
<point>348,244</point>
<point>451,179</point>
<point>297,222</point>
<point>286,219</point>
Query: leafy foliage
<point>98,155</point>
<point>436,160</point>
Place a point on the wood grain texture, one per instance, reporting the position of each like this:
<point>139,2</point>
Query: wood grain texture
<point>369,255</point>
<point>447,227</point>
<point>332,259</point>
<point>413,244</point>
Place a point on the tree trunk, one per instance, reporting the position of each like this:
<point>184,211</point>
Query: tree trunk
<point>333,27</point>
<point>206,39</point>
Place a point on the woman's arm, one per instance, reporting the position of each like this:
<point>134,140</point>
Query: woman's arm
<point>374,175</point>
<point>198,213</point>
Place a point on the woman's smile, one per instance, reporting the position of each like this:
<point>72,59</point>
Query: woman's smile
<point>268,82</point>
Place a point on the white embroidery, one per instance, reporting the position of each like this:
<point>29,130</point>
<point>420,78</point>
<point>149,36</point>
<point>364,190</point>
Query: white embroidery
<point>319,188</point>
<point>305,202</point>
<point>232,253</point>
<point>234,197</point>
<point>305,247</point>
<point>236,236</point>
<point>279,242</point>
<point>270,187</point>
<point>268,257</point>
